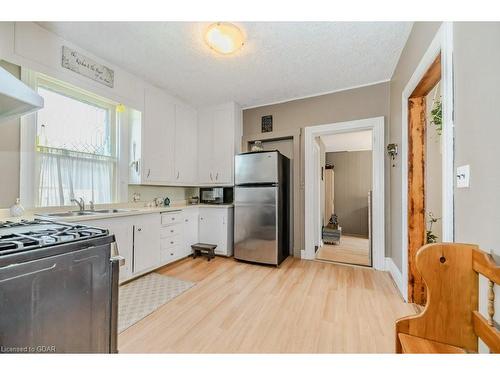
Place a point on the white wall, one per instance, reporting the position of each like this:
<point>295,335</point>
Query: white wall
<point>477,133</point>
<point>32,47</point>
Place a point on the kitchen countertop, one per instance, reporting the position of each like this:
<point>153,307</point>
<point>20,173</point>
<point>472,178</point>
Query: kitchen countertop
<point>132,209</point>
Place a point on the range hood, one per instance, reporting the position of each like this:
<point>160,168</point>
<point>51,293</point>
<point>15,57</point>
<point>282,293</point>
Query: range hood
<point>16,98</point>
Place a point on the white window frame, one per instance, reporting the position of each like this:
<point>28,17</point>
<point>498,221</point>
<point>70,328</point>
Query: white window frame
<point>28,174</point>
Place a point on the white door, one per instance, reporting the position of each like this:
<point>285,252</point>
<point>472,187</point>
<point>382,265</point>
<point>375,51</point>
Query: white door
<point>146,242</point>
<point>186,145</point>
<point>158,137</point>
<point>205,147</point>
<point>190,230</point>
<point>223,135</point>
<point>317,208</point>
<point>122,229</point>
<point>213,227</point>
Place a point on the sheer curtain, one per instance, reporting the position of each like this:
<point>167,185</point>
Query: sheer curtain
<point>65,175</point>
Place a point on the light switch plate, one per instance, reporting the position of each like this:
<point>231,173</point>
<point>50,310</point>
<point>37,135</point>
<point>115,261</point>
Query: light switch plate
<point>463,176</point>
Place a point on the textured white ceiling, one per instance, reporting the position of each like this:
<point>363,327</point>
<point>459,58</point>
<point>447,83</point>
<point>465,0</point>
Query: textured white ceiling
<point>356,141</point>
<point>279,61</point>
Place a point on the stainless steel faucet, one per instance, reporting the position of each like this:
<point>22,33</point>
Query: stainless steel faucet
<point>80,203</point>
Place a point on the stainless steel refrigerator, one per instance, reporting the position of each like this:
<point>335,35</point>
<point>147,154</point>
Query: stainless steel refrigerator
<point>262,207</point>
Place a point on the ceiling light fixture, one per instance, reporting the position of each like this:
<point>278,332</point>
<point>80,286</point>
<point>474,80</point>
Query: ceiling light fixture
<point>224,37</point>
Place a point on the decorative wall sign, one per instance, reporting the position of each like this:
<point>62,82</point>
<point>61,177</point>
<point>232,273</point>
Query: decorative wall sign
<point>267,124</point>
<point>87,67</point>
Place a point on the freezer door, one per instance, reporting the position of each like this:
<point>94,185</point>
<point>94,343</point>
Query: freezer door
<point>257,168</point>
<point>255,224</point>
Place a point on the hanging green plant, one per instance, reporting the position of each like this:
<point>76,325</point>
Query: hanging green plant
<point>437,115</point>
<point>430,236</point>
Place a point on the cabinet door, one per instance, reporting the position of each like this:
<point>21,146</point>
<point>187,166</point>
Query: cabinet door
<point>205,147</point>
<point>146,242</point>
<point>122,228</point>
<point>186,145</point>
<point>223,151</point>
<point>158,137</point>
<point>190,232</point>
<point>212,228</point>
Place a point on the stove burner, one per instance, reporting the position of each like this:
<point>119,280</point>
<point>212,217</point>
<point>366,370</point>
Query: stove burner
<point>27,235</point>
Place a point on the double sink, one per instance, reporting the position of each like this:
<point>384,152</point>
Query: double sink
<point>84,212</point>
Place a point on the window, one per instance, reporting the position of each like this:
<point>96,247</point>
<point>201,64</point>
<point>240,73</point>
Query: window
<point>76,153</point>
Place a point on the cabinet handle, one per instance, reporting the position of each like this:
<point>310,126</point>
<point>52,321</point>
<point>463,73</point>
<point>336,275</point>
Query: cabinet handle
<point>171,231</point>
<point>216,176</point>
<point>178,173</point>
<point>173,218</point>
<point>171,242</point>
<point>139,229</point>
<point>211,179</point>
<point>149,172</point>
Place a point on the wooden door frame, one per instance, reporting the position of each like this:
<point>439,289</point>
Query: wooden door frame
<point>440,48</point>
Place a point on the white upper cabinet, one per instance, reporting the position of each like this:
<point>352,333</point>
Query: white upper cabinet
<point>158,135</point>
<point>219,132</point>
<point>180,146</point>
<point>205,147</point>
<point>186,145</point>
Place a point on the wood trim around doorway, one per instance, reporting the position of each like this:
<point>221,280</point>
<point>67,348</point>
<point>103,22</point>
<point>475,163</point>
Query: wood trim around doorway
<point>417,123</point>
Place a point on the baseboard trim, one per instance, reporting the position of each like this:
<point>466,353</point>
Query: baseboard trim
<point>395,273</point>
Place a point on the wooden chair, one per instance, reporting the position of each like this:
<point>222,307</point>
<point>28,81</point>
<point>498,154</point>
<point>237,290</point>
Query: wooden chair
<point>450,321</point>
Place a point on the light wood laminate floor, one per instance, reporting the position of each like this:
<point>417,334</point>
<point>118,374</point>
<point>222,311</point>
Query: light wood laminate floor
<point>300,307</point>
<point>350,250</point>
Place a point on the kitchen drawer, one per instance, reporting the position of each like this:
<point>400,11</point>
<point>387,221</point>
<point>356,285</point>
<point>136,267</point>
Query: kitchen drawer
<point>170,230</point>
<point>169,218</point>
<point>169,242</point>
<point>170,254</point>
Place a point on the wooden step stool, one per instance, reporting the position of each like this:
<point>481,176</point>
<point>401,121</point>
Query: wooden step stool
<point>204,249</point>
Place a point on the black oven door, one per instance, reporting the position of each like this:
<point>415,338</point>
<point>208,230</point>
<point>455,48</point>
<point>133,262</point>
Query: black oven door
<point>60,304</point>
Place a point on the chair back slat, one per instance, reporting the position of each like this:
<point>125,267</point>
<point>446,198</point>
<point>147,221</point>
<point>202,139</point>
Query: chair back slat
<point>490,335</point>
<point>453,291</point>
<point>484,264</point>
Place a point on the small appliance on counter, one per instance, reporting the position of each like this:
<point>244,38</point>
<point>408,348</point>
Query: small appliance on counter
<point>216,195</point>
<point>58,288</point>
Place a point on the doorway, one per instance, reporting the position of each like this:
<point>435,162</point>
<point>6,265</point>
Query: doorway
<point>376,128</point>
<point>424,196</point>
<point>346,179</point>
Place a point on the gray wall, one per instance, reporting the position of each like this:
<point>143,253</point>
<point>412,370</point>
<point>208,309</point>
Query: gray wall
<point>9,151</point>
<point>353,181</point>
<point>355,104</point>
<point>477,133</point>
<point>418,42</point>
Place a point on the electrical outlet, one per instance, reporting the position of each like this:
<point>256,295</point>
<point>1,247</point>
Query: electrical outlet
<point>463,176</point>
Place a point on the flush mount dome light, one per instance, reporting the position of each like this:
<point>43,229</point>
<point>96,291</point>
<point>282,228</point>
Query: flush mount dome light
<point>224,37</point>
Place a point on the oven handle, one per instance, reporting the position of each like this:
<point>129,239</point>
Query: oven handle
<point>116,262</point>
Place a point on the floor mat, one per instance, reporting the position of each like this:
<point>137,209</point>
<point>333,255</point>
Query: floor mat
<point>141,297</point>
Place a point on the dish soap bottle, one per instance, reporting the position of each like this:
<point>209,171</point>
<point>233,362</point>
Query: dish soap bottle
<point>17,209</point>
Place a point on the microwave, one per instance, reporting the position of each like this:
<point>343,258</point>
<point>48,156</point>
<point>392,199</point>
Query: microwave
<point>216,195</point>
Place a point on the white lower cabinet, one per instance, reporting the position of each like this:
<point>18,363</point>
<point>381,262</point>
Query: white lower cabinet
<point>146,242</point>
<point>152,240</point>
<point>123,229</point>
<point>171,243</point>
<point>216,227</point>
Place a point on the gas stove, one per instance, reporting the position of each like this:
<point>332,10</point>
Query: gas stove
<point>27,235</point>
